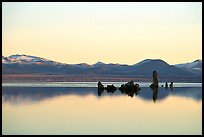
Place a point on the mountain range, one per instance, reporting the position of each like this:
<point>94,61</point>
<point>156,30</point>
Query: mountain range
<point>26,64</point>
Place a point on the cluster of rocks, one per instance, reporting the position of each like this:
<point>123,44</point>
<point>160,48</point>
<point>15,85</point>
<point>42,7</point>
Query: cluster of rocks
<point>109,88</point>
<point>129,88</point>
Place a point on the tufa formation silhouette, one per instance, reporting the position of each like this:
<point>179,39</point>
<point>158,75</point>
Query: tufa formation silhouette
<point>155,80</point>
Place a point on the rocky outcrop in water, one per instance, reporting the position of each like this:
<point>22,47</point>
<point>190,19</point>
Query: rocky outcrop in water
<point>130,88</point>
<point>155,83</point>
<point>166,85</point>
<point>171,85</point>
<point>100,88</point>
<point>110,88</point>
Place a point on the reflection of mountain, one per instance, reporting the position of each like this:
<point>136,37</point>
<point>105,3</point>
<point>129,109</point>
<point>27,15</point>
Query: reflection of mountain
<point>34,94</point>
<point>195,93</point>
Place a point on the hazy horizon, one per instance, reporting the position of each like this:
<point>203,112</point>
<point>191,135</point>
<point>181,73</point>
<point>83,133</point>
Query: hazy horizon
<point>124,33</point>
<point>106,62</point>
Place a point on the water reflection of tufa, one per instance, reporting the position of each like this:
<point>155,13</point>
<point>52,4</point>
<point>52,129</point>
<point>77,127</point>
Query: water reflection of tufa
<point>154,86</point>
<point>27,95</point>
<point>155,94</point>
<point>130,88</point>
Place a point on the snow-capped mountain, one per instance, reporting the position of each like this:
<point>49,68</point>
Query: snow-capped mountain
<point>26,59</point>
<point>26,64</point>
<point>195,67</point>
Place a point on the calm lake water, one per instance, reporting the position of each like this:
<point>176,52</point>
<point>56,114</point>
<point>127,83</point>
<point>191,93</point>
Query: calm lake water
<point>77,108</point>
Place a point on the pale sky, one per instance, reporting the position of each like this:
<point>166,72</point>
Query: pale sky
<point>88,32</point>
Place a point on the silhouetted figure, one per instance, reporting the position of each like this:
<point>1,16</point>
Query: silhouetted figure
<point>166,85</point>
<point>155,80</point>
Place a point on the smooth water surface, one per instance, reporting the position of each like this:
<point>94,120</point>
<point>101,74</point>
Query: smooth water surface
<point>80,110</point>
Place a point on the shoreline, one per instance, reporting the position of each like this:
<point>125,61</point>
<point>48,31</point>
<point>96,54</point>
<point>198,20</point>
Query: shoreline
<point>10,78</point>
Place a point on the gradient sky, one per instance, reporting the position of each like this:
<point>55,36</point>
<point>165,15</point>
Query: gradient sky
<point>109,32</point>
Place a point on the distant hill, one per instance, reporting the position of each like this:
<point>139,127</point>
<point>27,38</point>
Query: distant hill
<point>194,67</point>
<point>26,64</point>
<point>146,67</point>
